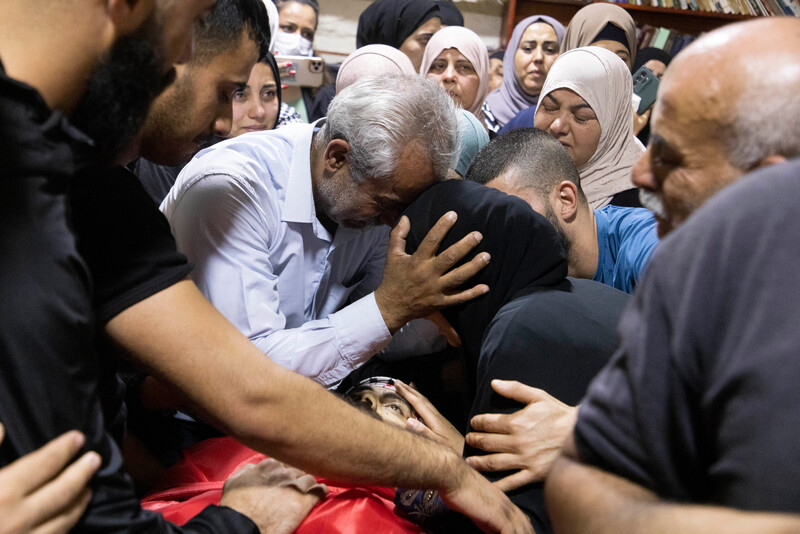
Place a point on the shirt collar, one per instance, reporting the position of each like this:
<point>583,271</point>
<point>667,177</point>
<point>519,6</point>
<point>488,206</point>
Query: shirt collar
<point>298,205</point>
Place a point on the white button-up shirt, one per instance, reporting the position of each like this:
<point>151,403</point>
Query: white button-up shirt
<point>243,212</point>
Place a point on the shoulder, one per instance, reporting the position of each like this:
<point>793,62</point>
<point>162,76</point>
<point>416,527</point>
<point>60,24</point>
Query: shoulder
<point>254,165</point>
<point>627,223</point>
<point>288,115</point>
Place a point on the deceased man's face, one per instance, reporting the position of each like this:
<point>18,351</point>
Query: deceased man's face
<point>384,401</point>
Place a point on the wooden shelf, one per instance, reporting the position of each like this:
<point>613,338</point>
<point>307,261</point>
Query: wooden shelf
<point>683,20</point>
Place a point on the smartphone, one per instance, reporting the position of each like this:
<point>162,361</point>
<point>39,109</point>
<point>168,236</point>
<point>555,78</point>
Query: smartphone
<point>645,86</point>
<point>307,70</point>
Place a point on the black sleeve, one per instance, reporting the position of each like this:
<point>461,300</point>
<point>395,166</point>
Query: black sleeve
<point>555,339</point>
<point>156,180</point>
<point>49,378</point>
<point>124,239</point>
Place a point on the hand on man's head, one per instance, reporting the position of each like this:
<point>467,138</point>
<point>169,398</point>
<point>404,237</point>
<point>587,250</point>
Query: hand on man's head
<point>416,285</point>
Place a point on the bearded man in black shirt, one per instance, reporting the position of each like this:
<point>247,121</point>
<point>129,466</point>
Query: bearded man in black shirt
<point>52,378</point>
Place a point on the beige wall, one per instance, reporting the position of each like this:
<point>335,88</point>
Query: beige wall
<point>338,19</point>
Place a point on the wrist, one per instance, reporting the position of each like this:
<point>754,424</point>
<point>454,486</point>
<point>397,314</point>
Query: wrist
<point>457,474</point>
<point>389,312</point>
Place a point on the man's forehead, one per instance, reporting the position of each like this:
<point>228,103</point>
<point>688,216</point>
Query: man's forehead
<point>235,63</point>
<point>414,172</point>
<point>691,107</point>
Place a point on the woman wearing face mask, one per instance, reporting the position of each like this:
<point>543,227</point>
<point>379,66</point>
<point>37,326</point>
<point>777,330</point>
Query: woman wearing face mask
<point>586,105</point>
<point>533,47</point>
<point>458,61</point>
<point>297,24</point>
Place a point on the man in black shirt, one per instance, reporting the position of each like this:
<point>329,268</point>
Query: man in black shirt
<point>52,378</point>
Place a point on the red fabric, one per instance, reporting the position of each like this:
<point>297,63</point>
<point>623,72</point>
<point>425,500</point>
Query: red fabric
<point>196,482</point>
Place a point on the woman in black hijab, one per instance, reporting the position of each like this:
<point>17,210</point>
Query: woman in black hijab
<point>404,24</point>
<point>451,15</point>
<point>525,251</point>
<point>534,325</point>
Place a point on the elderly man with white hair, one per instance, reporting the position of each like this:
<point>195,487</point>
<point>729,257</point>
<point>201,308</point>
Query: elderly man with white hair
<point>286,227</point>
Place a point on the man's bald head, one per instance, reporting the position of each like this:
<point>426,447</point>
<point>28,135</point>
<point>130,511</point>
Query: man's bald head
<point>745,78</point>
<point>727,104</point>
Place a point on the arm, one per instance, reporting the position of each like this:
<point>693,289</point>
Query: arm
<point>287,416</point>
<point>247,263</point>
<point>588,500</point>
<point>528,440</point>
<point>280,496</point>
<point>231,229</point>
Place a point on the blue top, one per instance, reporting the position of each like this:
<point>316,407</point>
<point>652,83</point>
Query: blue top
<point>626,238</point>
<point>523,119</point>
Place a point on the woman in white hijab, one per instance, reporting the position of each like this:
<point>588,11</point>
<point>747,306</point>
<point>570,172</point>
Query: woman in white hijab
<point>586,105</point>
<point>372,60</point>
<point>458,60</point>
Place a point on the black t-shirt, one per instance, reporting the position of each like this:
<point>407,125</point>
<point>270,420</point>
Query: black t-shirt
<point>553,338</point>
<point>699,404</point>
<point>131,255</point>
<point>50,370</point>
<point>124,239</point>
<point>156,179</point>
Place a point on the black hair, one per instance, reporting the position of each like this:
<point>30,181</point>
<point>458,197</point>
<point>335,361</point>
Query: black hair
<point>539,160</point>
<point>225,23</point>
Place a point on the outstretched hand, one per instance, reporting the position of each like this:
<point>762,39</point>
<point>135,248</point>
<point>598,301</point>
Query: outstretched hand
<point>528,440</point>
<point>416,285</point>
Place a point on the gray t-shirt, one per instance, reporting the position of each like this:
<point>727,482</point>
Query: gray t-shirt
<point>700,402</point>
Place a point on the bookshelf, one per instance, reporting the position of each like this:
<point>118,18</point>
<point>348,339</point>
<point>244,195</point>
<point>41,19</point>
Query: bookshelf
<point>684,21</point>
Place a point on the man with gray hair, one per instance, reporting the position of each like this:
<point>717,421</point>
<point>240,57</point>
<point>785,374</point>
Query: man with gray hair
<point>610,245</point>
<point>286,227</point>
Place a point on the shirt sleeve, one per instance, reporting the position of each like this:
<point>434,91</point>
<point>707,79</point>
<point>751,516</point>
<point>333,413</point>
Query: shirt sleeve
<point>124,239</point>
<point>228,232</point>
<point>51,381</point>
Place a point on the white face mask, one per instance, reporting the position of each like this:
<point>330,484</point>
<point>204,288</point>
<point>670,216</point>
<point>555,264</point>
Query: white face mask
<point>293,44</point>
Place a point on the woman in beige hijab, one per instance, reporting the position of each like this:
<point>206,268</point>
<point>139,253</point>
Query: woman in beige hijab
<point>458,60</point>
<point>586,105</point>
